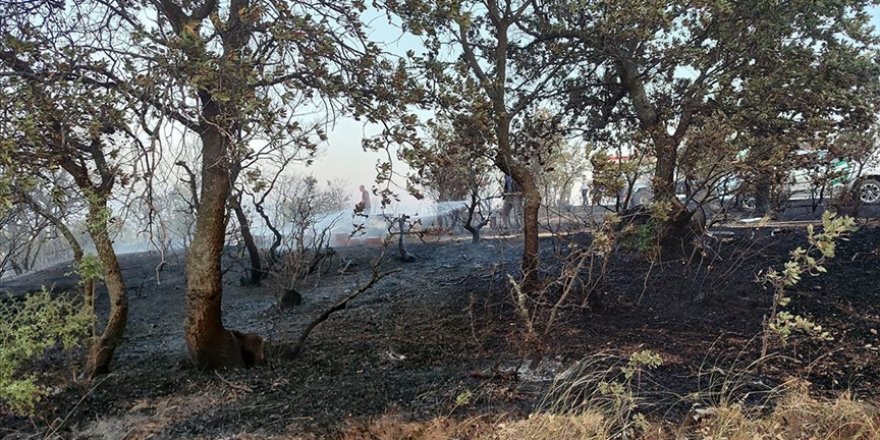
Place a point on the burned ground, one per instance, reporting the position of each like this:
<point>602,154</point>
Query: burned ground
<point>439,339</point>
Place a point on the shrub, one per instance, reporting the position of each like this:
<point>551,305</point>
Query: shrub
<point>809,261</point>
<point>29,328</point>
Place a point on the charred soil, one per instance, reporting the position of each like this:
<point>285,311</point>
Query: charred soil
<point>440,338</point>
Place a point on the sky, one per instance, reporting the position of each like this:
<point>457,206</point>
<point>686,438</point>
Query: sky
<point>342,158</point>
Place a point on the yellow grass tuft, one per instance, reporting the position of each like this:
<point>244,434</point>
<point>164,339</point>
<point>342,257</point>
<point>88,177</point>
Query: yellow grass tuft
<point>584,426</point>
<point>796,415</point>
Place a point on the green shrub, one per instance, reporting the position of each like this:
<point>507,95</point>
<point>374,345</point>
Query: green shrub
<point>28,329</point>
<point>810,261</point>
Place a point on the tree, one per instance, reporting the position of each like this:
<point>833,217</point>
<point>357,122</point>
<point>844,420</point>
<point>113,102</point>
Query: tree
<point>441,164</point>
<point>554,162</point>
<point>225,70</point>
<point>59,210</point>
<point>53,121</point>
<point>775,117</point>
<point>485,36</point>
<point>308,211</point>
<point>670,65</point>
<point>453,165</point>
<point>22,234</point>
<point>259,182</point>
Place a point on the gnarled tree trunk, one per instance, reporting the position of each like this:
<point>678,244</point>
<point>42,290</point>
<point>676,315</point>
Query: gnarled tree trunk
<point>469,225</point>
<point>103,347</point>
<point>663,182</point>
<point>531,206</point>
<point>762,194</point>
<point>210,345</point>
<point>678,226</point>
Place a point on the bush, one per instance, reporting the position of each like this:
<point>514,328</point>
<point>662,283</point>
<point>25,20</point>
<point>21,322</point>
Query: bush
<point>29,328</point>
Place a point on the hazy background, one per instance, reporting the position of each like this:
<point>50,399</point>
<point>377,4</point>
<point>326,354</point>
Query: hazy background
<point>343,158</point>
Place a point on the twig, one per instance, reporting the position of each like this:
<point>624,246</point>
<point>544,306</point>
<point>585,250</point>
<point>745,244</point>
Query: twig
<point>377,276</point>
<point>232,385</point>
<point>72,410</point>
<point>343,270</point>
<point>458,280</point>
<point>645,284</point>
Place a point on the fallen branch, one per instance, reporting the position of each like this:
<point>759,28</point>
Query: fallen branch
<point>455,281</point>
<point>345,267</point>
<point>377,276</point>
<point>243,388</point>
<point>58,426</point>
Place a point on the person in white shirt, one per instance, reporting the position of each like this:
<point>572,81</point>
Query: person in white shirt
<point>585,191</point>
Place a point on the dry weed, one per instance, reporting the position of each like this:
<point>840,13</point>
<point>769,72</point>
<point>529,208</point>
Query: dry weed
<point>396,427</point>
<point>584,426</point>
<point>795,416</point>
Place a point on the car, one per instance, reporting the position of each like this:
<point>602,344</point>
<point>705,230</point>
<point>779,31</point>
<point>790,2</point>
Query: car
<point>826,177</point>
<point>821,178</point>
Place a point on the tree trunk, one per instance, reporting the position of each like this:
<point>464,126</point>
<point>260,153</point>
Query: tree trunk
<point>531,208</point>
<point>665,149</point>
<point>762,194</point>
<point>469,220</point>
<point>249,243</point>
<point>475,233</point>
<point>277,240</point>
<point>16,268</point>
<point>210,345</point>
<point>405,256</point>
<point>663,183</point>
<point>103,347</point>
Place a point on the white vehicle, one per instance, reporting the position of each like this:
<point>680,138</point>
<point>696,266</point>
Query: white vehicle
<point>824,181</point>
<point>832,177</point>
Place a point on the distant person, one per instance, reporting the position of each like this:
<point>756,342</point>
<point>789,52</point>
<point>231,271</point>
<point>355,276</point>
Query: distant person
<point>585,191</point>
<point>512,201</point>
<point>364,206</point>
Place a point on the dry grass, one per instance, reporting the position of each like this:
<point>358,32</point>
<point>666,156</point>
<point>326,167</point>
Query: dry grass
<point>148,418</point>
<point>587,425</point>
<point>577,407</point>
<point>395,427</point>
<point>591,401</point>
<point>796,415</point>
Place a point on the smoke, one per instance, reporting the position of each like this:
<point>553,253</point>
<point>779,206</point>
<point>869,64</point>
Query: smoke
<point>340,225</point>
